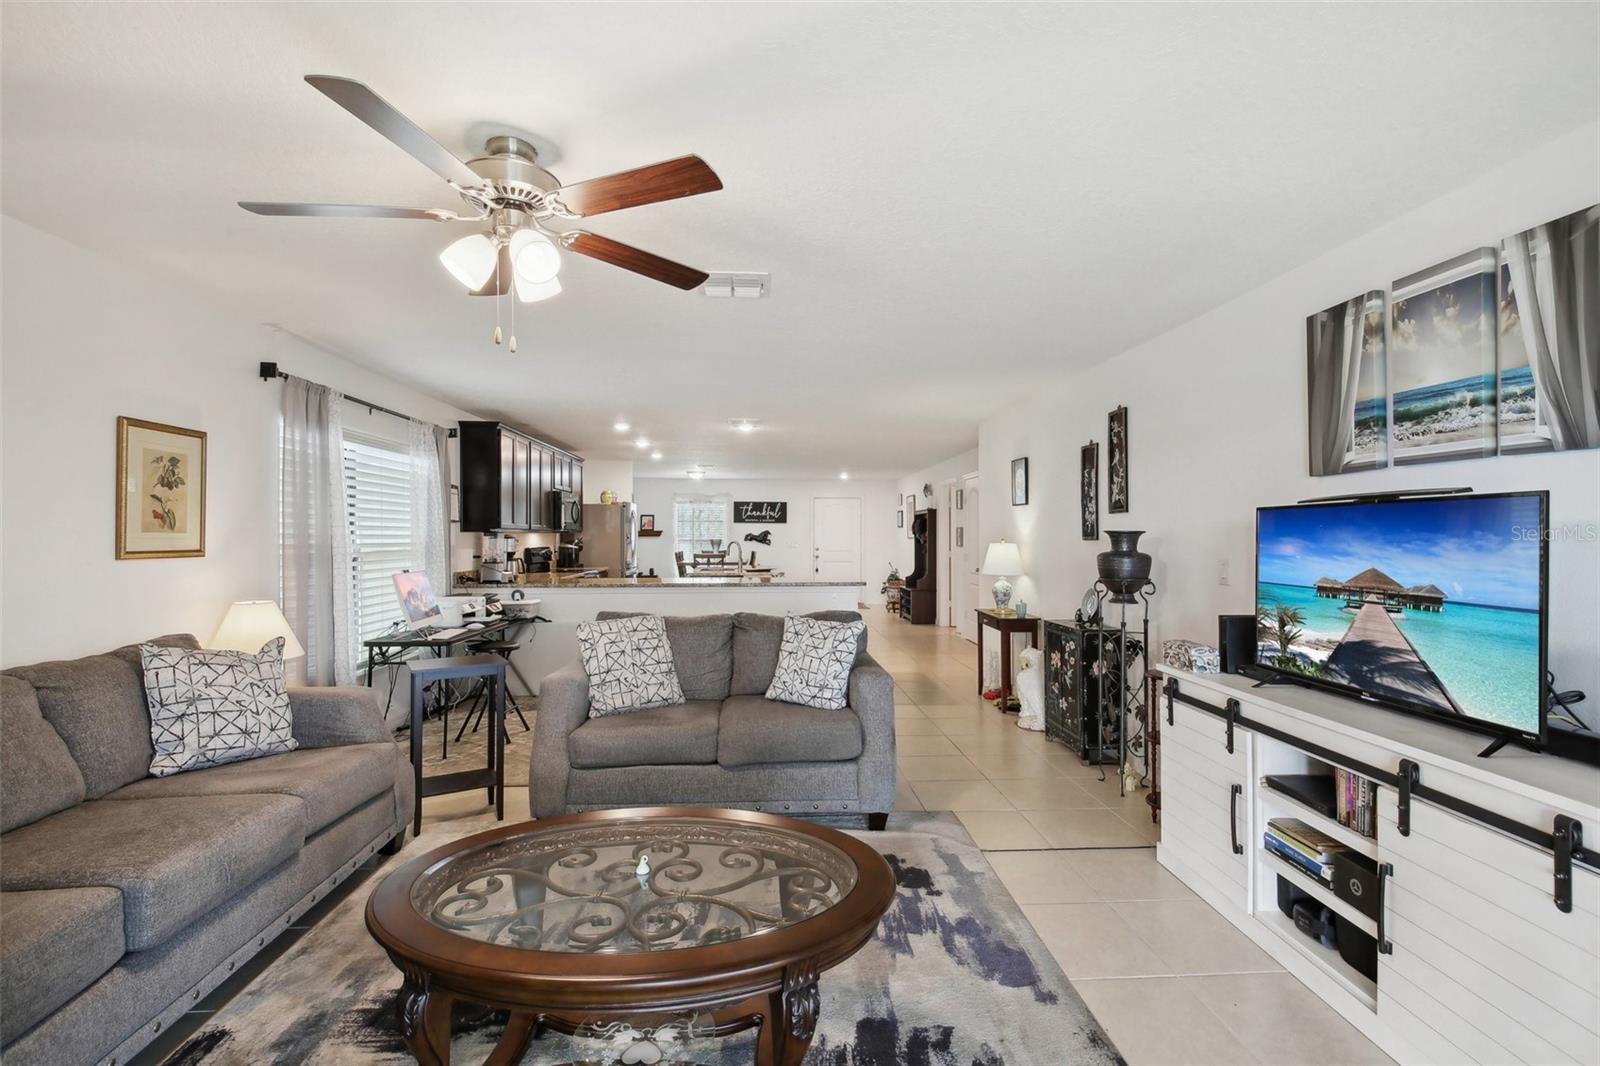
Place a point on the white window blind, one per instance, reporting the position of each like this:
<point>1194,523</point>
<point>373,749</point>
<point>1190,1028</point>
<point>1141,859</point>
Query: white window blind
<point>377,476</point>
<point>699,523</point>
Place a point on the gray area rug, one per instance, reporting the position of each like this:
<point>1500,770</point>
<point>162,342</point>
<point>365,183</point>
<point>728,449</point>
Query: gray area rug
<point>955,977</point>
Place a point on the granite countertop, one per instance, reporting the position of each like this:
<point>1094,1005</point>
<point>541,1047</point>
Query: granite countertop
<point>568,581</point>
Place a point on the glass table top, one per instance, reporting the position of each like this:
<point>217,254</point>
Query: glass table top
<point>633,886</point>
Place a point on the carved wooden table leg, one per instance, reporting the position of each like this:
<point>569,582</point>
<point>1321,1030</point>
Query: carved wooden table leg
<point>791,1018</point>
<point>425,1021</point>
<point>520,1031</point>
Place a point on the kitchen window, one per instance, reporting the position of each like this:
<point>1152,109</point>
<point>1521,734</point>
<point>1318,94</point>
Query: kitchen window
<point>700,523</point>
<point>378,505</point>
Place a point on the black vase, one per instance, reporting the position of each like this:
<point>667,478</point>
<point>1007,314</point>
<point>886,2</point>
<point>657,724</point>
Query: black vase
<point>1124,569</point>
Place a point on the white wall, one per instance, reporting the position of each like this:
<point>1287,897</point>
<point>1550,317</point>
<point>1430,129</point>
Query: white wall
<point>791,542</point>
<point>1217,426</point>
<point>936,475</point>
<point>602,474</point>
<point>84,340</point>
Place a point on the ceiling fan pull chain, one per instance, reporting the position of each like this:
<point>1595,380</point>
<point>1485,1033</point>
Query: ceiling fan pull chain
<point>497,296</point>
<point>513,321</point>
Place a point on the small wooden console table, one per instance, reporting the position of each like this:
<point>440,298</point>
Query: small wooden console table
<point>1006,624</point>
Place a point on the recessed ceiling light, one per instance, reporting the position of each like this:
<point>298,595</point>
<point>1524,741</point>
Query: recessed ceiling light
<point>621,425</point>
<point>642,442</point>
<point>844,475</point>
<point>655,455</point>
<point>744,425</point>
<point>696,474</point>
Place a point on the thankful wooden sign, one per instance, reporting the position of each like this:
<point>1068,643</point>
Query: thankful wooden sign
<point>773,511</point>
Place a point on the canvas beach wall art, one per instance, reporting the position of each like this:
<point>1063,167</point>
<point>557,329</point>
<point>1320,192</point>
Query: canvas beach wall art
<point>161,491</point>
<point>1347,394</point>
<point>1442,329</point>
<point>1549,335</point>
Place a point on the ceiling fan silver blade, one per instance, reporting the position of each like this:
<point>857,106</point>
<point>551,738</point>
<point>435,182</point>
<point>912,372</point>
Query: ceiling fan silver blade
<point>344,211</point>
<point>372,109</point>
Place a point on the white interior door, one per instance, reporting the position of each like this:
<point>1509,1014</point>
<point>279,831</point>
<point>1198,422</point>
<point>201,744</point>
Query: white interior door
<point>836,538</point>
<point>967,558</point>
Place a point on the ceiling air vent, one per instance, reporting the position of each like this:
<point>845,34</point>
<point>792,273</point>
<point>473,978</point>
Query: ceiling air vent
<point>743,286</point>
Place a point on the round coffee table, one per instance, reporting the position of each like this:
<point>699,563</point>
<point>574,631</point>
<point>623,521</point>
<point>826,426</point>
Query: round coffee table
<point>724,926</point>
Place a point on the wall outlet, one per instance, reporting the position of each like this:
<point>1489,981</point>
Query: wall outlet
<point>1222,572</point>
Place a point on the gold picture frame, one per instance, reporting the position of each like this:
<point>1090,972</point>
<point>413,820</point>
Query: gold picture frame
<point>161,501</point>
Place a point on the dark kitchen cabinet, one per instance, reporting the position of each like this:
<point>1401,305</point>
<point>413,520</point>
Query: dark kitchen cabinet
<point>506,478</point>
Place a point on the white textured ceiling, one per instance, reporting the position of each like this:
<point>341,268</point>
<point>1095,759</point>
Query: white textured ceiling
<point>954,200</point>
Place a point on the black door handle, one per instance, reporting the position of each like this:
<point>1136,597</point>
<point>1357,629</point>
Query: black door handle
<point>1234,792</point>
<point>1385,871</point>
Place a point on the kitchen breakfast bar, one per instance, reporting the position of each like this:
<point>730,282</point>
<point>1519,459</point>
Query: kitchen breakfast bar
<point>566,601</point>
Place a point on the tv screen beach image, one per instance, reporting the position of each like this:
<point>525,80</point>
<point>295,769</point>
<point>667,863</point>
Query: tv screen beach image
<point>1432,603</point>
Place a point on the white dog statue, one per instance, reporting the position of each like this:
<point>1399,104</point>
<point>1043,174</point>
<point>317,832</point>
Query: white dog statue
<point>1030,690</point>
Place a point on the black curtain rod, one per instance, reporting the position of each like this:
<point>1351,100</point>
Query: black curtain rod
<point>270,371</point>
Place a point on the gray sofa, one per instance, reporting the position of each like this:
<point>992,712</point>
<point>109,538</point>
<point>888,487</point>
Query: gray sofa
<point>125,898</point>
<point>727,745</point>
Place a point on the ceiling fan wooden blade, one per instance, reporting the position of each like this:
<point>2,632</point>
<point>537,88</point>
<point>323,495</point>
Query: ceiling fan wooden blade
<point>500,281</point>
<point>342,211</point>
<point>688,176</point>
<point>376,112</point>
<point>635,259</point>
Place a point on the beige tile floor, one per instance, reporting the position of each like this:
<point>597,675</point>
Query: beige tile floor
<point>1169,979</point>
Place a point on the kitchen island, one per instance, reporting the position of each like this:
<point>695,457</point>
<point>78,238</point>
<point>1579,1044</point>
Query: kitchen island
<point>567,600</point>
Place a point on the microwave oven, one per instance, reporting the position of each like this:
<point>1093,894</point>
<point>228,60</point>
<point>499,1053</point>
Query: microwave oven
<point>567,508</point>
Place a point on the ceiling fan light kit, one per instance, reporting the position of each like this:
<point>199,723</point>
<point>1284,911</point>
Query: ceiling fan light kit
<point>526,206</point>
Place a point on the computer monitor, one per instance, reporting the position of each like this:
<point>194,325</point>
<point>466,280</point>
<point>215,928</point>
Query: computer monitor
<point>417,601</point>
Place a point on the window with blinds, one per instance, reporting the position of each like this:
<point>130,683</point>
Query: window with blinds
<point>699,523</point>
<point>377,479</point>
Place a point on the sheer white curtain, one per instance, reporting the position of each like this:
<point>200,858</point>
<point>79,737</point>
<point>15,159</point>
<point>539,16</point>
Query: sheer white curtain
<point>430,505</point>
<point>315,532</point>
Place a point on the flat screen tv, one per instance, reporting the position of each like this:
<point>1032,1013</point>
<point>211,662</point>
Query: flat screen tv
<point>1435,606</point>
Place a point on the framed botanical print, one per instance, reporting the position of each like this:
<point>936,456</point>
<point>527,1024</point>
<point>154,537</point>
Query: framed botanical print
<point>1117,461</point>
<point>161,491</point>
<point>1019,482</point>
<point>1089,487</point>
<point>911,515</point>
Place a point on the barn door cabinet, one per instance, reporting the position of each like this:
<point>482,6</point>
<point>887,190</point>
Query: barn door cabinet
<point>1482,944</point>
<point>506,478</point>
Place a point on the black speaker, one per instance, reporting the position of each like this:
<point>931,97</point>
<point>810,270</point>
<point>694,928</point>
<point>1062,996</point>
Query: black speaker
<point>1236,640</point>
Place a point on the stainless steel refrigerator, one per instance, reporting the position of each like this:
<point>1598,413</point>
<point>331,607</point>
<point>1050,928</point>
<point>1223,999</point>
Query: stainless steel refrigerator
<point>611,538</point>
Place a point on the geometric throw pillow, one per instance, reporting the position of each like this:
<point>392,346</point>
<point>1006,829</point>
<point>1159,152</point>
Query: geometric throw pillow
<point>214,707</point>
<point>629,663</point>
<point>814,662</point>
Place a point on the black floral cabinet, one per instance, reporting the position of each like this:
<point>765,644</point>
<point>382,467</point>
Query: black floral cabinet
<point>1082,672</point>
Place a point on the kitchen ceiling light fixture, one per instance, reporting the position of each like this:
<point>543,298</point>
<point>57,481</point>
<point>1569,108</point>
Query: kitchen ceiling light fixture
<point>621,425</point>
<point>844,475</point>
<point>695,474</point>
<point>642,442</point>
<point>655,455</point>
<point>744,425</point>
<point>525,206</point>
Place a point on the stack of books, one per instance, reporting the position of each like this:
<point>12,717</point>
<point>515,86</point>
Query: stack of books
<point>1297,843</point>
<point>1354,800</point>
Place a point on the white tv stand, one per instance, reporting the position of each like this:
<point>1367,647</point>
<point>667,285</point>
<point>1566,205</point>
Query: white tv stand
<point>1482,963</point>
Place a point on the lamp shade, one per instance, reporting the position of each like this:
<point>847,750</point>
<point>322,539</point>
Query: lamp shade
<point>1002,560</point>
<point>249,624</point>
<point>534,257</point>
<point>471,260</point>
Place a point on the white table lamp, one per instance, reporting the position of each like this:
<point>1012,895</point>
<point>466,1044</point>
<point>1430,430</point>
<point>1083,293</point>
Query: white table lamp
<point>249,624</point>
<point>1002,560</point>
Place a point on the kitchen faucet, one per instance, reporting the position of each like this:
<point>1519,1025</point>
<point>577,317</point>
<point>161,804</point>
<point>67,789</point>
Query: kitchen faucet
<point>738,550</point>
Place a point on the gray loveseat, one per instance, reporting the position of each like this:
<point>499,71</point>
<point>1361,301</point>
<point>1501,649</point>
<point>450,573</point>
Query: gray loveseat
<point>727,745</point>
<point>125,898</point>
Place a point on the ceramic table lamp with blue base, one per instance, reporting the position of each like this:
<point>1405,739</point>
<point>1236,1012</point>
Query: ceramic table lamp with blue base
<point>1001,561</point>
